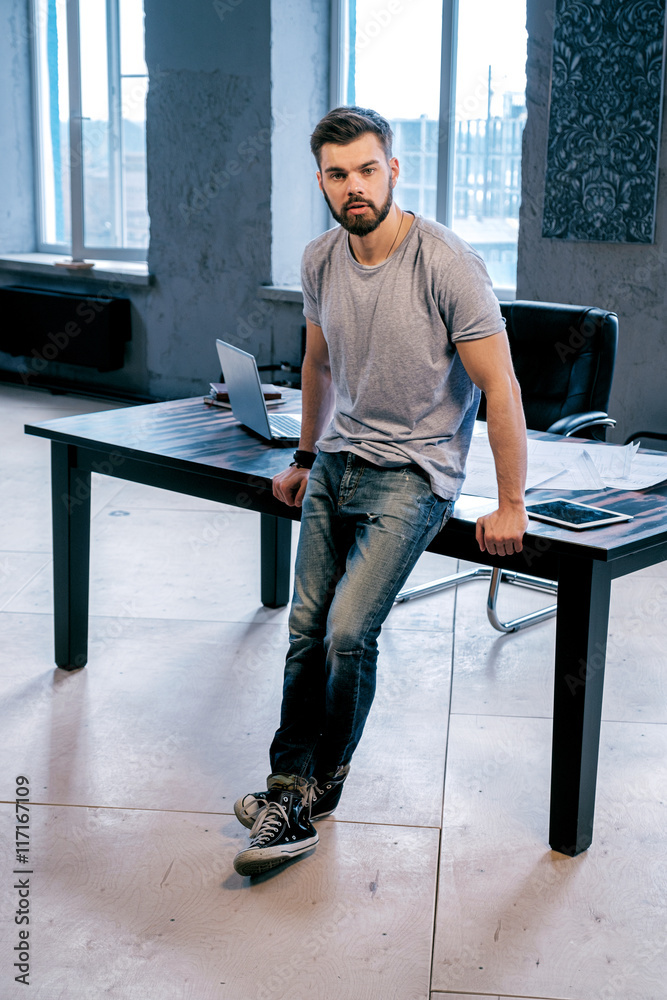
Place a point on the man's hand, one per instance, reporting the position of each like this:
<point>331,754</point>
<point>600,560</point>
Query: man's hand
<point>500,533</point>
<point>290,485</point>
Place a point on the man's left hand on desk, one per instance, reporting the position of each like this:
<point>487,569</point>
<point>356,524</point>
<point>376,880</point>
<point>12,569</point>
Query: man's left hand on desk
<point>501,532</point>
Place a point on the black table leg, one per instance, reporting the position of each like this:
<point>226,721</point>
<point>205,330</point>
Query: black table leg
<point>70,501</point>
<point>276,546</point>
<point>584,588</point>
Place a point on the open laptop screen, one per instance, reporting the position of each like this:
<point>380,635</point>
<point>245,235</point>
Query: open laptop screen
<point>240,373</point>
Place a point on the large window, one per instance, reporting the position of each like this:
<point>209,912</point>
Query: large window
<point>90,122</point>
<point>450,77</point>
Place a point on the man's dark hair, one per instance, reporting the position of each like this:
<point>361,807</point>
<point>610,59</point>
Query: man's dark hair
<point>345,124</point>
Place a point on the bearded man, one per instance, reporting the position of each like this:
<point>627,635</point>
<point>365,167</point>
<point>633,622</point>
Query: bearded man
<point>403,330</point>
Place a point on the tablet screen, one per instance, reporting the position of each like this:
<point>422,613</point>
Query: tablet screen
<point>570,513</point>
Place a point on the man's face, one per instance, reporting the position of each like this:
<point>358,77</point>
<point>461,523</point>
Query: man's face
<point>358,182</point>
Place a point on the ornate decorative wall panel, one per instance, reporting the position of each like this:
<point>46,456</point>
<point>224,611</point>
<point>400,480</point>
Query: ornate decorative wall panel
<point>604,120</point>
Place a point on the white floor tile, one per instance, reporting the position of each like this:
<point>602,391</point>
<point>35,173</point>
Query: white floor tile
<point>518,919</point>
<point>635,674</point>
<point>16,570</point>
<point>139,905</point>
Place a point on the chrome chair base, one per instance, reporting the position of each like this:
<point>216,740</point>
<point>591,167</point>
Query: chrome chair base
<point>496,576</point>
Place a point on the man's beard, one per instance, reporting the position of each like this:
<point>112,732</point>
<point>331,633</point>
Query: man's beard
<point>362,225</point>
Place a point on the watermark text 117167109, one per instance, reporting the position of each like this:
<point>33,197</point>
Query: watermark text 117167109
<point>22,883</point>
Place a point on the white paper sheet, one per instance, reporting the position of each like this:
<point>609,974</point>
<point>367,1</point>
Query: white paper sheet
<point>481,469</point>
<point>561,465</point>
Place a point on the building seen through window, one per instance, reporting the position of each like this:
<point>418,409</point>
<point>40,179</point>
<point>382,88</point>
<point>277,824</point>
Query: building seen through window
<point>392,62</point>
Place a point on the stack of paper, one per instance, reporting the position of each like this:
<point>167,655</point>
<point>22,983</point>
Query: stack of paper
<point>561,465</point>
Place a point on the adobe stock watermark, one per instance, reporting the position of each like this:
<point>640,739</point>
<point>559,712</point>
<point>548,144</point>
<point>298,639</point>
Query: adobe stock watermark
<point>38,17</point>
<point>246,151</point>
<point>82,490</point>
<point>22,881</point>
<point>215,528</point>
<point>281,979</point>
<point>588,328</point>
<point>650,610</point>
<point>133,97</point>
<point>647,274</point>
<point>380,19</point>
<point>475,100</point>
<point>625,979</point>
<point>255,320</point>
<point>110,631</point>
<point>94,133</point>
<point>587,667</point>
<point>59,340</point>
<point>225,7</point>
<point>81,487</point>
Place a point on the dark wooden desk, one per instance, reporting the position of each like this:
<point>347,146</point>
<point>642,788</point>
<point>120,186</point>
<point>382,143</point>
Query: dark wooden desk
<point>190,448</point>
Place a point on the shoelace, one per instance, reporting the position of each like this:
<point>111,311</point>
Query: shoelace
<point>312,794</point>
<point>267,824</point>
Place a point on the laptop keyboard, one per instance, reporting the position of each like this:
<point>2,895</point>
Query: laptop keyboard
<point>283,425</point>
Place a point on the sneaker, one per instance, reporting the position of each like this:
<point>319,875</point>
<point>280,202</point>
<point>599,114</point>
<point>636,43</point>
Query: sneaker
<point>282,829</point>
<point>323,796</point>
<point>248,808</point>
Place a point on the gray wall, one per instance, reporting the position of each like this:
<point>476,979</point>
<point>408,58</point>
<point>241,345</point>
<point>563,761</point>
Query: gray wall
<point>629,279</point>
<point>213,113</point>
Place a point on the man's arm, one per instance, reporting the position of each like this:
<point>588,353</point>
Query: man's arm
<point>317,403</point>
<point>489,364</point>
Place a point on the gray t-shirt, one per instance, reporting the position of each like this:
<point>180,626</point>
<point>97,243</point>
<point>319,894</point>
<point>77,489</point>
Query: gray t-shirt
<point>402,393</point>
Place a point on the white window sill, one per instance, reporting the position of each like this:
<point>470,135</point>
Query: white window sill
<point>129,272</point>
<point>293,293</point>
<point>505,294</point>
<point>281,293</point>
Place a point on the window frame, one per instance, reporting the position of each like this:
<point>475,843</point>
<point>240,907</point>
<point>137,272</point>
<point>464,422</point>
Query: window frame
<point>444,196</point>
<point>78,248</point>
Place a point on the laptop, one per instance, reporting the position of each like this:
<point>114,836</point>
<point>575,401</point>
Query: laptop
<point>239,370</point>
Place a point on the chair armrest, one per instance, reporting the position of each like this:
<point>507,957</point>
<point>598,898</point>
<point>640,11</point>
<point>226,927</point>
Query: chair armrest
<point>658,435</point>
<point>578,421</point>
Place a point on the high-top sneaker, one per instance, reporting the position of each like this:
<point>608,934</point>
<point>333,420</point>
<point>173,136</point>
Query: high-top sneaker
<point>324,795</point>
<point>282,829</point>
<point>248,807</point>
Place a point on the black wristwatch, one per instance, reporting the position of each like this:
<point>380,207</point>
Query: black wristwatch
<point>303,459</point>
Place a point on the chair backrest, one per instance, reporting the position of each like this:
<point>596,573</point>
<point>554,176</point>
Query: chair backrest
<point>563,357</point>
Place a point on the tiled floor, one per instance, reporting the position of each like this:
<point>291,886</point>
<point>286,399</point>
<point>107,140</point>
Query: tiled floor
<point>435,879</point>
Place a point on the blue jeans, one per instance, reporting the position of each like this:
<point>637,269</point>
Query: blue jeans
<point>362,530</point>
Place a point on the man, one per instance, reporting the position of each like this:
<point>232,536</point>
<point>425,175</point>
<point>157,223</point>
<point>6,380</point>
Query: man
<point>403,330</point>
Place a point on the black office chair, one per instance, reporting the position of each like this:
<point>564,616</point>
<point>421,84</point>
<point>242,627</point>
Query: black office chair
<point>639,435</point>
<point>564,361</point>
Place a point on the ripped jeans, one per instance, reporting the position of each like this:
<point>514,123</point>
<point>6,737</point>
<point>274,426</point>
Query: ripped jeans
<point>362,530</point>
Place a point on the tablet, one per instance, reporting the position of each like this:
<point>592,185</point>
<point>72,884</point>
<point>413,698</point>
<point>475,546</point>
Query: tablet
<point>569,514</point>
